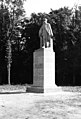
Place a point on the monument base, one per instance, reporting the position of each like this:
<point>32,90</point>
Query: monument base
<point>35,89</point>
<point>43,71</point>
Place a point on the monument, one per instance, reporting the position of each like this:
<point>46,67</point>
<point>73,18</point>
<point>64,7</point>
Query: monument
<point>45,34</point>
<point>44,62</point>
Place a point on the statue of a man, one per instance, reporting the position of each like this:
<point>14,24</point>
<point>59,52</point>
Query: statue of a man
<point>45,34</point>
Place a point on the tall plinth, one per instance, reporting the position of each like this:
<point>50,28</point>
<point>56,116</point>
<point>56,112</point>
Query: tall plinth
<point>43,71</point>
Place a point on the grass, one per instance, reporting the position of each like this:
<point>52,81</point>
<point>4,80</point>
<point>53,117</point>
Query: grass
<point>4,88</point>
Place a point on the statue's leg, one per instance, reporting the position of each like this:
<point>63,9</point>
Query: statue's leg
<point>48,41</point>
<point>43,42</point>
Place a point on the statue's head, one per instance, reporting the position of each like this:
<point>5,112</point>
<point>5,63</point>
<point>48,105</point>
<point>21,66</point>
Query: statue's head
<point>45,20</point>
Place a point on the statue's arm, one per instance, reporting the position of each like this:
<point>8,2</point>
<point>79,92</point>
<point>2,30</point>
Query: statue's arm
<point>51,32</point>
<point>40,32</point>
<point>40,35</point>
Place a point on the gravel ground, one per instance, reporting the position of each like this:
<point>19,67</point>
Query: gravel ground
<point>61,105</point>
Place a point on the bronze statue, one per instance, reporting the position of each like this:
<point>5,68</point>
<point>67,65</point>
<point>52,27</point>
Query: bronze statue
<point>45,34</point>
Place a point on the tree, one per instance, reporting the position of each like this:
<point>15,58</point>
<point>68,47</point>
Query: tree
<point>13,11</point>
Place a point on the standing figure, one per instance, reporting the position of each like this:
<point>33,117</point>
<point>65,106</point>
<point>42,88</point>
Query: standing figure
<point>45,34</point>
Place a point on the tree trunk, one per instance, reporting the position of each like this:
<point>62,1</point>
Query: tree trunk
<point>8,67</point>
<point>9,61</point>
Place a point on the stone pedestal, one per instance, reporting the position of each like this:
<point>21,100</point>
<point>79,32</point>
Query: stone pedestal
<point>43,71</point>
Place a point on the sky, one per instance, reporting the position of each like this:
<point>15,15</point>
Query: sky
<point>36,6</point>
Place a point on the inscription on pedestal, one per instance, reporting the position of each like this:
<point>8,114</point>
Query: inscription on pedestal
<point>38,70</point>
